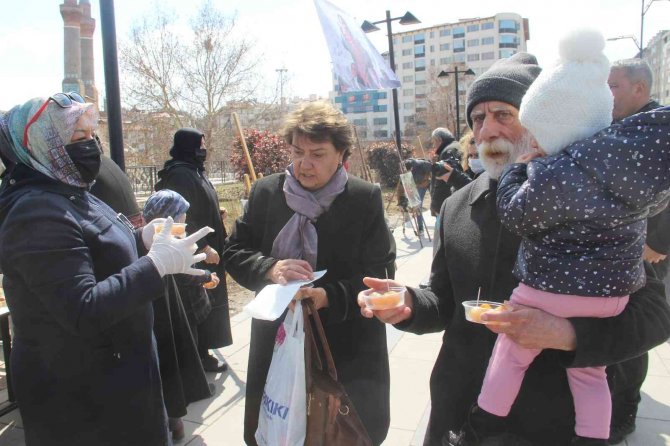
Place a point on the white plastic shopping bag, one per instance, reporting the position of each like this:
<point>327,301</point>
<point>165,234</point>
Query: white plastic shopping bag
<point>283,414</point>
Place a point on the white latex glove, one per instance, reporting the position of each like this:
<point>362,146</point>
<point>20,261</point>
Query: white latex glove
<point>149,230</point>
<point>175,256</point>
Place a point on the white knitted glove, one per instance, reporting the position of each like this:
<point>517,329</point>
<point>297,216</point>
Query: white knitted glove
<point>149,230</point>
<point>171,255</point>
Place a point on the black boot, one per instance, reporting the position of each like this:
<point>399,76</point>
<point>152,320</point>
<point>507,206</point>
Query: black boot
<point>479,426</point>
<point>586,441</point>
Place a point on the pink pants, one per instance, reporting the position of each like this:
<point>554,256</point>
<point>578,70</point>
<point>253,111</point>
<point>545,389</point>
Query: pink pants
<point>509,362</point>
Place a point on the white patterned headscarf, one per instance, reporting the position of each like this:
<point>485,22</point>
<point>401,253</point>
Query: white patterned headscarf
<point>47,138</point>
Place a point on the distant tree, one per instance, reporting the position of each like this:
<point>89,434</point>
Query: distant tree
<point>192,74</point>
<point>269,153</point>
<point>383,157</point>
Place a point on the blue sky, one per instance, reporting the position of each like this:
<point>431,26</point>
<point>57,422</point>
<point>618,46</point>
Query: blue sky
<point>288,35</point>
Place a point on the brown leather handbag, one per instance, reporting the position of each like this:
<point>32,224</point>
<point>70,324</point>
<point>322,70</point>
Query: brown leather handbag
<point>331,417</point>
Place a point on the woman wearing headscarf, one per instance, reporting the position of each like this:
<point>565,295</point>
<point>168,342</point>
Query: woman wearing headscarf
<point>79,284</point>
<point>315,217</point>
<point>185,174</point>
<point>182,375</point>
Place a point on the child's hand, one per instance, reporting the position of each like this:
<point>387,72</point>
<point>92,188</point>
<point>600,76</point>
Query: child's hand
<point>212,283</point>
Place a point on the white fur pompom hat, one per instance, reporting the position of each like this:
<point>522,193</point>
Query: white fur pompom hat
<point>570,100</point>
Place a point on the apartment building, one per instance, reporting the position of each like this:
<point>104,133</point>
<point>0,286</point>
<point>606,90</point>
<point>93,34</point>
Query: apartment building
<point>420,55</point>
<point>657,55</point>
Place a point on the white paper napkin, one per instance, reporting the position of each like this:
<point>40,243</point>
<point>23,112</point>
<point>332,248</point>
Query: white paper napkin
<point>271,302</point>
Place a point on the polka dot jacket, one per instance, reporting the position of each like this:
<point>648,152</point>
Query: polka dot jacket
<point>582,213</point>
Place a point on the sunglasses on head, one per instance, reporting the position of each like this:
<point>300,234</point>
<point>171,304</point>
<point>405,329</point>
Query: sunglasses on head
<point>63,100</point>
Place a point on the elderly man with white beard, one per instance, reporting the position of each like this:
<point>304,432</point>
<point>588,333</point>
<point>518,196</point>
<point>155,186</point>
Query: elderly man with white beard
<point>474,256</point>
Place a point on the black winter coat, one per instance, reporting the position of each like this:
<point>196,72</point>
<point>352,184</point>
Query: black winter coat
<point>113,187</point>
<point>84,364</point>
<point>474,250</point>
<point>440,190</point>
<point>191,183</point>
<point>353,242</point>
<point>583,212</point>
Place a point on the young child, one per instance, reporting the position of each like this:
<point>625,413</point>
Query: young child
<point>175,323</point>
<point>582,214</point>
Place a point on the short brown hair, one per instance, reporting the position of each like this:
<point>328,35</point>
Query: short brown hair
<point>320,121</point>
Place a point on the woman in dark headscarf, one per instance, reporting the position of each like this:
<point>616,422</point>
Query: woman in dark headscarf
<point>185,174</point>
<point>79,287</point>
<point>313,217</point>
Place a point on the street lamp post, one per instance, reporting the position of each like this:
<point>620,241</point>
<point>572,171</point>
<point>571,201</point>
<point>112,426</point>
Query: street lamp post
<point>407,19</point>
<point>455,72</point>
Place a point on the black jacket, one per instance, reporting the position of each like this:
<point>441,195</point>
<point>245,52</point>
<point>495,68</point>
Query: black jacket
<point>440,190</point>
<point>474,250</point>
<point>191,183</point>
<point>353,242</point>
<point>84,362</point>
<point>583,212</point>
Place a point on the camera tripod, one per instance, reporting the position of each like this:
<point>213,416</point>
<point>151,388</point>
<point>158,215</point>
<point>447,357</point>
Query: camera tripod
<point>409,213</point>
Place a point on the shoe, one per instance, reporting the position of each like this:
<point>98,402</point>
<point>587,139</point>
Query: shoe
<point>211,364</point>
<point>212,389</point>
<point>480,428</point>
<point>619,431</point>
<point>586,441</point>
<point>176,426</point>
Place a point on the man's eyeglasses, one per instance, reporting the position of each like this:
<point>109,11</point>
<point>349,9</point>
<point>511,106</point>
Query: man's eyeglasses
<point>63,100</point>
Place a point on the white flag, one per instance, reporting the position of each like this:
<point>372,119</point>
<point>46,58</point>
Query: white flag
<point>356,62</point>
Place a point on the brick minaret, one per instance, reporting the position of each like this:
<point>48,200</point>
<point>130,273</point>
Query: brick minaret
<point>87,61</point>
<point>71,13</point>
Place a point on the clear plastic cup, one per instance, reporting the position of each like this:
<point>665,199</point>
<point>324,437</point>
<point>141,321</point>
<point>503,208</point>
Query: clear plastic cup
<point>178,229</point>
<point>474,309</point>
<point>385,299</point>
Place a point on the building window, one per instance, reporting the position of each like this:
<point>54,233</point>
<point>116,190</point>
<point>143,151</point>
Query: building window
<point>419,38</point>
<point>459,58</point>
<point>380,108</point>
<point>420,77</point>
<point>407,39</point>
<point>459,45</point>
<point>445,60</point>
<point>473,28</point>
<point>420,82</point>
<point>380,121</point>
<point>361,122</point>
<point>459,32</point>
<point>408,92</point>
<point>432,34</point>
<point>432,48</point>
<point>487,25</point>
<point>407,78</point>
<point>487,40</point>
<point>508,42</point>
<point>508,26</point>
<point>444,47</point>
<point>381,134</point>
<point>381,95</point>
<point>473,57</point>
<point>420,65</point>
<point>408,65</point>
<point>407,52</point>
<point>504,54</point>
<point>473,42</point>
<point>419,50</point>
<point>407,119</point>
<point>488,55</point>
<point>445,32</point>
<point>432,62</point>
<point>408,106</point>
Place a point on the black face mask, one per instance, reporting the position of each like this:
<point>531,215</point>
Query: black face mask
<point>86,157</point>
<point>201,155</point>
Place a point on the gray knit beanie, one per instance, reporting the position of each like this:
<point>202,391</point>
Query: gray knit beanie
<point>506,81</point>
